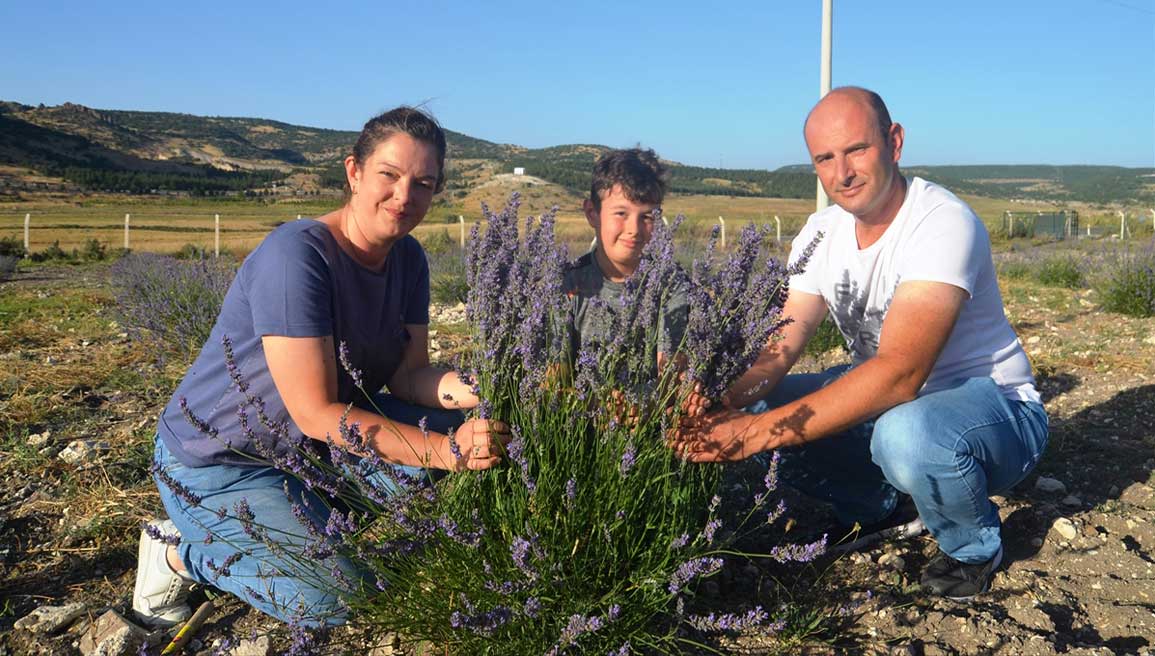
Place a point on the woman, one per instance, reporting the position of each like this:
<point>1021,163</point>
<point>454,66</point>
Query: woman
<point>350,286</point>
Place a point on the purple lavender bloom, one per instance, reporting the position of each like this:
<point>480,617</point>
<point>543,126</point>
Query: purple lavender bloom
<point>752,621</point>
<point>454,447</point>
<point>354,373</point>
<point>679,542</point>
<point>624,650</point>
<point>532,608</point>
<point>799,553</point>
<point>570,492</point>
<point>711,527</point>
<point>629,457</point>
<point>693,569</point>
<point>158,535</point>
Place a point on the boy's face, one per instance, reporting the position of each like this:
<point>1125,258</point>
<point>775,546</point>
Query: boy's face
<point>623,227</point>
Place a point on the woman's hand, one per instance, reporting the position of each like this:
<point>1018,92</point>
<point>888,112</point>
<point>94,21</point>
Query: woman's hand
<point>481,443</point>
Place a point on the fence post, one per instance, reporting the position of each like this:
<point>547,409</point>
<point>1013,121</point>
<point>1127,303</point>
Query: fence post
<point>126,218</point>
<point>778,229</point>
<point>217,234</point>
<point>461,222</point>
<point>1122,223</point>
<point>27,223</point>
<point>722,222</point>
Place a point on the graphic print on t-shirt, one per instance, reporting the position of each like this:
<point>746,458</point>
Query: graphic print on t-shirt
<point>859,324</point>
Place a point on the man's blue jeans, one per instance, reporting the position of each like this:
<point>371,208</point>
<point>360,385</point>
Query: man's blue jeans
<point>281,582</point>
<point>949,450</point>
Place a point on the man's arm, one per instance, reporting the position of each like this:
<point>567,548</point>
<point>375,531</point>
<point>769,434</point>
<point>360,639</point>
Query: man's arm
<point>806,312</point>
<point>914,332</point>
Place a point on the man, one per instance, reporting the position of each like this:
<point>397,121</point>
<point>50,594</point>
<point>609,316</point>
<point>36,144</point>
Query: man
<point>939,402</point>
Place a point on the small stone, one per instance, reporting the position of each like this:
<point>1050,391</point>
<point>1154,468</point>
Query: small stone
<point>1072,501</point>
<point>892,561</point>
<point>258,646</point>
<point>37,440</point>
<point>1050,485</point>
<point>50,619</point>
<point>1065,528</point>
<point>82,452</point>
<point>112,635</point>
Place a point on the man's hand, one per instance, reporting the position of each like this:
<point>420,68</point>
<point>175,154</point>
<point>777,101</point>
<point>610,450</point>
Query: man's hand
<point>723,436</point>
<point>481,443</point>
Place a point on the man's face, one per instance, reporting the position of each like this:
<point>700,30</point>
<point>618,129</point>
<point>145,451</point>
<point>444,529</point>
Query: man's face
<point>856,164</point>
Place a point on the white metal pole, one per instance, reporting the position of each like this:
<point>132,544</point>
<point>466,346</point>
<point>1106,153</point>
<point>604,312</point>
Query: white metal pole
<point>821,202</point>
<point>298,217</point>
<point>126,218</point>
<point>27,225</point>
<point>1122,223</point>
<point>217,235</point>
<point>778,229</point>
<point>722,222</point>
<point>461,222</point>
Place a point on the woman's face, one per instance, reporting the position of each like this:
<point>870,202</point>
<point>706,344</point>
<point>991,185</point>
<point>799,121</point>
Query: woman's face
<point>392,188</point>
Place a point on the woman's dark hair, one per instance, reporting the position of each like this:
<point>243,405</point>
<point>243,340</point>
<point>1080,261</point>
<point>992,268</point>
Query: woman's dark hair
<point>407,120</point>
<point>639,172</point>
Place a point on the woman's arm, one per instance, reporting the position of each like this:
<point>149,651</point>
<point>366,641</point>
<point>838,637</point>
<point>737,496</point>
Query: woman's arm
<point>420,383</point>
<point>304,370</point>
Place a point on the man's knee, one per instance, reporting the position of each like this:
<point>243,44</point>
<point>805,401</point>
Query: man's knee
<point>900,444</point>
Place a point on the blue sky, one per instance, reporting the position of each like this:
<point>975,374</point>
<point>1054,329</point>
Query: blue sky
<point>715,83</point>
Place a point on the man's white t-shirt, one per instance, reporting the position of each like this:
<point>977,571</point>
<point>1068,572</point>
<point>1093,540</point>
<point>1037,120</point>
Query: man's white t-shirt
<point>935,237</point>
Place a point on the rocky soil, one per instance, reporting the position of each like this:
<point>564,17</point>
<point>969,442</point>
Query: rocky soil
<point>1079,533</point>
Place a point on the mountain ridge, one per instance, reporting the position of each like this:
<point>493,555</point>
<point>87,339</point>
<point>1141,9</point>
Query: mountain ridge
<point>96,148</point>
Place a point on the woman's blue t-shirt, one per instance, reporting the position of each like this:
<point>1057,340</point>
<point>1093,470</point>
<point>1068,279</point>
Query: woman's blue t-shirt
<point>297,283</point>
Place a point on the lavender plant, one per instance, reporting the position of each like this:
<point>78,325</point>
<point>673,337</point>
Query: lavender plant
<point>1127,283</point>
<point>593,535</point>
<point>172,302</point>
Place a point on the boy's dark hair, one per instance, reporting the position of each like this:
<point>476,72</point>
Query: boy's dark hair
<point>642,176</point>
<point>411,121</point>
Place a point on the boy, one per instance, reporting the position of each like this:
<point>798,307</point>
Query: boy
<point>624,202</point>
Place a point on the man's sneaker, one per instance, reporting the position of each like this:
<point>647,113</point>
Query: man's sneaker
<point>159,597</point>
<point>957,580</point>
<point>901,524</point>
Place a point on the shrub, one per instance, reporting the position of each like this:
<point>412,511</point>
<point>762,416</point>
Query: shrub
<point>8,265</point>
<point>439,243</point>
<point>192,252</point>
<point>172,303</point>
<point>1128,283</point>
<point>54,253</point>
<point>1061,271</point>
<point>12,247</point>
<point>93,250</point>
<point>826,339</point>
<point>447,280</point>
<point>592,537</point>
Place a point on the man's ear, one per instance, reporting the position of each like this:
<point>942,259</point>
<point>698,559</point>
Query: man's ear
<point>896,136</point>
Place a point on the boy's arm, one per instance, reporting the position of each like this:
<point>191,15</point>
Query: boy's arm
<point>806,312</point>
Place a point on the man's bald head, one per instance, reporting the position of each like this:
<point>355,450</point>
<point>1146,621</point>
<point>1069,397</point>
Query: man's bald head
<point>865,98</point>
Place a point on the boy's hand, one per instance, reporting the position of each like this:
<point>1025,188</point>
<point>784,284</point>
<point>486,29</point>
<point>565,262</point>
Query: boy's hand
<point>622,410</point>
<point>481,441</point>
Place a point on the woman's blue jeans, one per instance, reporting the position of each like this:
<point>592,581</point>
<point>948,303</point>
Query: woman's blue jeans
<point>281,581</point>
<point>949,450</point>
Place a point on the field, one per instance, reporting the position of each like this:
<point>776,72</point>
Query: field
<point>165,226</point>
<point>1080,562</point>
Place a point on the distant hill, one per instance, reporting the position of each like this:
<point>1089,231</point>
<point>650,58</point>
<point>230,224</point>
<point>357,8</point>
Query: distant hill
<point>140,152</point>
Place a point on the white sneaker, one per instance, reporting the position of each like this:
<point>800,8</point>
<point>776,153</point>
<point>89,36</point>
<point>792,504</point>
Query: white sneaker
<point>159,597</point>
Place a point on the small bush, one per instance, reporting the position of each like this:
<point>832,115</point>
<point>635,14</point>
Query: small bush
<point>1014,269</point>
<point>53,253</point>
<point>7,266</point>
<point>172,302</point>
<point>12,247</point>
<point>191,252</point>
<point>438,243</point>
<point>447,277</point>
<point>826,339</point>
<point>1062,271</point>
<point>1128,284</point>
<point>93,251</point>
